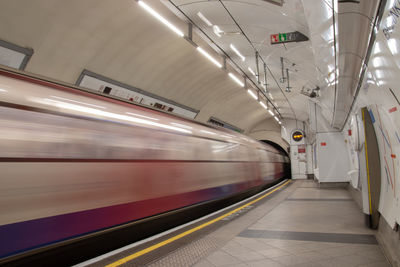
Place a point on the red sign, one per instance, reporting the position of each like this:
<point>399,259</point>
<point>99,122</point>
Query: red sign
<point>393,156</point>
<point>349,132</point>
<point>301,150</point>
<point>274,38</point>
<point>323,143</point>
<point>392,109</point>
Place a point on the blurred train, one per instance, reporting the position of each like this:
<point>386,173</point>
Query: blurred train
<point>74,164</point>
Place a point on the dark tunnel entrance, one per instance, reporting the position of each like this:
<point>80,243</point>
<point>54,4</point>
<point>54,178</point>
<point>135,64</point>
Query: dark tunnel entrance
<point>275,145</point>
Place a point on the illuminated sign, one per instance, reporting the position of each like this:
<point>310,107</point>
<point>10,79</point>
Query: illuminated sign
<point>288,37</point>
<point>297,136</point>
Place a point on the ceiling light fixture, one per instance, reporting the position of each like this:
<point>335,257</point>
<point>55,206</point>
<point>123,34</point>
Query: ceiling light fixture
<point>203,18</point>
<point>271,112</point>
<point>279,122</point>
<point>236,79</point>
<point>276,118</point>
<point>207,55</point>
<point>251,71</point>
<point>217,30</point>
<point>263,105</point>
<point>253,95</point>
<point>160,18</point>
<point>237,52</point>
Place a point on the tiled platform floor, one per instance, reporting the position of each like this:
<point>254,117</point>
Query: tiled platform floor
<point>302,226</point>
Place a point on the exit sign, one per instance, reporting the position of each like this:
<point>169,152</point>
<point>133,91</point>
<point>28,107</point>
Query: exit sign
<point>280,38</point>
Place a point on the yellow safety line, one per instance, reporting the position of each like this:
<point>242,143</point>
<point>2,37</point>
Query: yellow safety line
<point>366,158</point>
<point>188,232</point>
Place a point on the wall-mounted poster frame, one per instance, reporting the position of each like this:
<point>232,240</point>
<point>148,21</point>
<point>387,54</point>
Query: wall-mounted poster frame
<point>217,122</point>
<point>107,86</point>
<point>14,56</point>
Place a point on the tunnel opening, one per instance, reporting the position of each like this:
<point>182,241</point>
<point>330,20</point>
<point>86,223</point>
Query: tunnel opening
<point>275,145</point>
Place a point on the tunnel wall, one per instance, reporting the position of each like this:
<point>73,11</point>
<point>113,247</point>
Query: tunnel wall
<point>379,93</point>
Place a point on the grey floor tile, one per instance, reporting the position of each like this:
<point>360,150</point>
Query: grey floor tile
<point>335,263</point>
<point>282,243</point>
<point>249,256</point>
<point>274,252</point>
<point>264,263</point>
<point>290,260</point>
<point>376,264</point>
<point>238,265</point>
<point>320,193</point>
<point>251,243</point>
<point>317,246</point>
<point>204,263</point>
<point>314,256</point>
<point>373,254</point>
<point>234,248</point>
<point>309,264</point>
<point>220,258</point>
<point>355,259</point>
<point>336,252</point>
<point>298,249</point>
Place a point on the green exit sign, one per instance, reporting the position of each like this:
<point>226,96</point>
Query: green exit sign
<point>279,38</point>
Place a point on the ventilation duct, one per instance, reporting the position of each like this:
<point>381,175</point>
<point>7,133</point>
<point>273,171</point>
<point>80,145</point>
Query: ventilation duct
<point>355,21</point>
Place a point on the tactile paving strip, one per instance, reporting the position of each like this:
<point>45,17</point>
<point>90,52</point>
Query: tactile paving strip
<point>190,254</point>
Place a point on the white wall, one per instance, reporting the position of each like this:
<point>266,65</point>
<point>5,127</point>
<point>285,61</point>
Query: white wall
<point>332,158</point>
<point>380,93</point>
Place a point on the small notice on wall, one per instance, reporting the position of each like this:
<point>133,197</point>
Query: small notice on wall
<point>14,56</point>
<point>108,86</point>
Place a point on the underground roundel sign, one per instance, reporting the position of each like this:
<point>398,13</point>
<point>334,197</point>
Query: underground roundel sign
<point>297,136</point>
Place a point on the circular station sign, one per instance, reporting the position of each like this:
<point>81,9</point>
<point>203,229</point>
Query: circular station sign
<point>297,136</point>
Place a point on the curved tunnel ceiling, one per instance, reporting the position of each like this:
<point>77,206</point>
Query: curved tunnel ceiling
<point>119,40</point>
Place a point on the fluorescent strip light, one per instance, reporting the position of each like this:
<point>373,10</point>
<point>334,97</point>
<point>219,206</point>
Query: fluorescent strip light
<point>251,71</point>
<point>252,94</point>
<point>207,55</point>
<point>263,105</point>
<point>133,114</point>
<point>276,118</point>
<point>270,112</point>
<point>74,101</point>
<point>237,52</point>
<point>236,79</point>
<point>207,132</point>
<point>217,30</point>
<point>270,95</point>
<point>204,18</point>
<point>279,122</point>
<point>160,18</point>
<point>181,125</point>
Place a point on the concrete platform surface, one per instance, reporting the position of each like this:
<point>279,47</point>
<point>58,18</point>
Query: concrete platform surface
<point>304,225</point>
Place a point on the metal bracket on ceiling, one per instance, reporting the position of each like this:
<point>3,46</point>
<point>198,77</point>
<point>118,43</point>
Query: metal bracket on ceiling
<point>189,36</point>
<point>224,62</point>
<point>283,79</point>
<point>257,69</point>
<point>190,31</point>
<point>288,88</point>
<point>265,78</point>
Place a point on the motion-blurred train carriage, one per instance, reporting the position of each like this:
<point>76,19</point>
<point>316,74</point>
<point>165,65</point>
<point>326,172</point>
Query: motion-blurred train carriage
<point>75,165</point>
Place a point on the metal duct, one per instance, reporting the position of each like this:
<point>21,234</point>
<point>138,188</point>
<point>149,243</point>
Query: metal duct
<point>355,20</point>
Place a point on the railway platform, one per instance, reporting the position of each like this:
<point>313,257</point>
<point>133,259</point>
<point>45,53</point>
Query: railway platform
<point>296,223</point>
